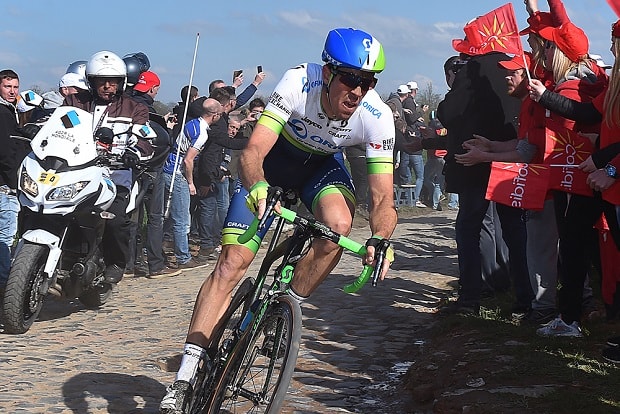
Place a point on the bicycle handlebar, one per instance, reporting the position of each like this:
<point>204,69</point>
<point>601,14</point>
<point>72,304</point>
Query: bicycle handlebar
<point>342,241</point>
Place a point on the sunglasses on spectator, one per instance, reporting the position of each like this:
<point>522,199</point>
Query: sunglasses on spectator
<point>351,80</point>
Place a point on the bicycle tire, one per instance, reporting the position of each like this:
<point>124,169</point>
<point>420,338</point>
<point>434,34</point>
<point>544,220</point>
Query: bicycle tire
<point>258,373</point>
<point>205,376</point>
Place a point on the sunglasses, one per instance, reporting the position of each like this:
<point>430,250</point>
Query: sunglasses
<point>351,80</point>
<point>548,44</point>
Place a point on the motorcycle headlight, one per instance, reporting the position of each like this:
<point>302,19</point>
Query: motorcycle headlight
<point>28,185</point>
<point>66,192</point>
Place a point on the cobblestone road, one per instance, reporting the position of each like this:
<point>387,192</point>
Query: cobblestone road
<point>117,359</point>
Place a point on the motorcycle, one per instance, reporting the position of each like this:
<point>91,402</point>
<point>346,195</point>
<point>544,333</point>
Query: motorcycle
<point>64,190</point>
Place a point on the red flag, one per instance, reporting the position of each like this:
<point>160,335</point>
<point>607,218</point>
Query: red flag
<point>564,151</point>
<point>518,185</point>
<point>496,31</point>
<point>615,5</point>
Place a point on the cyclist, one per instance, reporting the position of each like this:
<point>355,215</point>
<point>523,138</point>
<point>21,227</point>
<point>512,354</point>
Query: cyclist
<point>314,112</point>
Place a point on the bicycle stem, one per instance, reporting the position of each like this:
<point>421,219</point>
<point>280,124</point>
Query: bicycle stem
<point>342,241</point>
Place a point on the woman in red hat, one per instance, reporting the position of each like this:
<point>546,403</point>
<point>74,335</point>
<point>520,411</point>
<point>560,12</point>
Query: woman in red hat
<point>578,77</point>
<point>603,165</point>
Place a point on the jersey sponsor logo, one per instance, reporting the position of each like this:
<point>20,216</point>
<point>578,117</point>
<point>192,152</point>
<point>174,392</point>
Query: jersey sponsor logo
<point>307,85</point>
<point>311,122</point>
<point>342,135</point>
<point>375,145</point>
<point>374,111</point>
<point>276,99</point>
<point>388,144</point>
<point>300,129</point>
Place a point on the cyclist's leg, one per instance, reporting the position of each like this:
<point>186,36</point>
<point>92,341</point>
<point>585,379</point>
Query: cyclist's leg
<point>216,291</point>
<point>331,197</point>
<point>212,301</point>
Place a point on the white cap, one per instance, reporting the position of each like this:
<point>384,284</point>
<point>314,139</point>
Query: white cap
<point>73,79</point>
<point>412,85</point>
<point>403,89</point>
<point>599,61</point>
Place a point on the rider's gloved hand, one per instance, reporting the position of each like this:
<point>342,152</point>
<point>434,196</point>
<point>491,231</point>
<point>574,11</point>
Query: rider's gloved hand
<point>379,243</point>
<point>131,157</point>
<point>256,193</point>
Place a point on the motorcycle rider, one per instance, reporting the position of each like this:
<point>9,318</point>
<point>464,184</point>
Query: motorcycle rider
<point>106,76</point>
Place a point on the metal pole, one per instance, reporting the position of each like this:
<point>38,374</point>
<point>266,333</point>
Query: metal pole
<point>176,159</point>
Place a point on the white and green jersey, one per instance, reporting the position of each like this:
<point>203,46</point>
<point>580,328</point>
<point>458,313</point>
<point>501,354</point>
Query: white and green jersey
<point>294,111</point>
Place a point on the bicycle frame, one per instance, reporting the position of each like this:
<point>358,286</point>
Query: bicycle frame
<point>290,251</point>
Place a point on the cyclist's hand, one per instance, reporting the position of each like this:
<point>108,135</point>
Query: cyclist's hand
<point>256,199</point>
<point>374,243</point>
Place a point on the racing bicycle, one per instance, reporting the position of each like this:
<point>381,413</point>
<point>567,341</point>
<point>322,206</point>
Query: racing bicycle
<point>254,349</point>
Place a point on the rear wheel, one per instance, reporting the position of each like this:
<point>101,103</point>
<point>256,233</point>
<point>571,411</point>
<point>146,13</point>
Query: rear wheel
<point>23,297</point>
<point>258,373</point>
<point>239,305</point>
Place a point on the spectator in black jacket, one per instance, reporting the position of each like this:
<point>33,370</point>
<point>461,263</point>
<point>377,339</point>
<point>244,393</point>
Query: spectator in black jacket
<point>478,104</point>
<point>212,175</point>
<point>144,91</point>
<point>12,154</point>
<point>187,95</point>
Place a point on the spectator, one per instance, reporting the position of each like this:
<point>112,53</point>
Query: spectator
<point>247,93</point>
<point>477,103</point>
<point>575,214</point>
<point>255,110</point>
<point>212,175</point>
<point>145,90</point>
<point>397,98</point>
<point>412,160</point>
<point>187,95</point>
<point>179,179</point>
<point>13,152</point>
<point>433,170</point>
<point>69,84</point>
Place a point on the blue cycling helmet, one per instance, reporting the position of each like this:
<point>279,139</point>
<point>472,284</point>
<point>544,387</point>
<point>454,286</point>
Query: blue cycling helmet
<point>352,48</point>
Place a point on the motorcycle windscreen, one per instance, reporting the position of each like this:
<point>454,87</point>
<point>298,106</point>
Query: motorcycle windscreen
<point>68,135</point>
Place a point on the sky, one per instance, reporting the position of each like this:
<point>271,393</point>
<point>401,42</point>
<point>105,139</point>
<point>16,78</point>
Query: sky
<point>40,38</point>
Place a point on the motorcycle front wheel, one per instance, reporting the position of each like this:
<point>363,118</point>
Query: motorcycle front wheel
<point>23,298</point>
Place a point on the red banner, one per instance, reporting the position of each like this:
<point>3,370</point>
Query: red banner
<point>569,179</point>
<point>564,151</point>
<point>518,185</point>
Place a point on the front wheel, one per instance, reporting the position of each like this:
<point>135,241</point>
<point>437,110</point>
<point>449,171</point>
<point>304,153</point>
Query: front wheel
<point>258,372</point>
<point>222,339</point>
<point>23,297</point>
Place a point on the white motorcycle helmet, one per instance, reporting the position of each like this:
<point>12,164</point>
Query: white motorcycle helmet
<point>78,67</point>
<point>106,64</point>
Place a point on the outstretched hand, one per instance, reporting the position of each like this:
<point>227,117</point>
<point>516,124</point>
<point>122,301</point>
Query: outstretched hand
<point>479,142</point>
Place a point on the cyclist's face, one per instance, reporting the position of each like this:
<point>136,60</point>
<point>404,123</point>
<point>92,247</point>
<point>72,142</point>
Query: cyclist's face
<point>346,90</point>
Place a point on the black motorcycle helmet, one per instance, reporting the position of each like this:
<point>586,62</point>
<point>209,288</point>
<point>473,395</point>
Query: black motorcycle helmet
<point>136,64</point>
